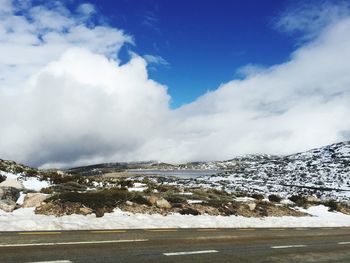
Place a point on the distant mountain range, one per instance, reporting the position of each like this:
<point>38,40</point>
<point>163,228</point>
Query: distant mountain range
<point>324,172</point>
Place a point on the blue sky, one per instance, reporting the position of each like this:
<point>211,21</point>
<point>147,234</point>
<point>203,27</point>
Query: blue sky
<point>205,42</point>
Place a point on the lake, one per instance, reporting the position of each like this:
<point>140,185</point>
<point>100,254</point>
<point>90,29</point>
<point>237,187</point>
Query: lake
<point>176,173</point>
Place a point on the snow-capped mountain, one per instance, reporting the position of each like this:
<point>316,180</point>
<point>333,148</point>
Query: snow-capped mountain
<point>324,172</point>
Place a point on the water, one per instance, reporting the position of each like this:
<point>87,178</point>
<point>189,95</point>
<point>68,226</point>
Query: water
<point>176,173</point>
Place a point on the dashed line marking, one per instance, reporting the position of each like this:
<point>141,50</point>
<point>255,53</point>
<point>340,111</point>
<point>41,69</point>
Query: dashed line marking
<point>288,246</point>
<point>161,230</point>
<point>302,229</point>
<point>73,243</point>
<point>107,231</point>
<point>246,229</point>
<point>207,229</point>
<point>190,253</point>
<point>39,233</point>
<point>277,229</point>
<point>55,261</point>
<point>344,243</point>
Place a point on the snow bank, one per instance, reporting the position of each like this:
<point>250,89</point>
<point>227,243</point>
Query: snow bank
<point>25,219</point>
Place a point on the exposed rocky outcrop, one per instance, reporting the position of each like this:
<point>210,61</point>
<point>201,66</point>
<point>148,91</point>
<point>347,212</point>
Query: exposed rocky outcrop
<point>34,199</point>
<point>7,205</point>
<point>162,203</point>
<point>12,183</point>
<point>9,193</point>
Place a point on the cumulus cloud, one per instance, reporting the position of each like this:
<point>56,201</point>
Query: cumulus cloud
<point>300,104</point>
<point>67,100</point>
<point>65,97</point>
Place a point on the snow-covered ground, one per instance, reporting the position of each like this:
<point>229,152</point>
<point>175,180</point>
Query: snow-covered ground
<point>29,183</point>
<point>322,172</point>
<point>25,219</point>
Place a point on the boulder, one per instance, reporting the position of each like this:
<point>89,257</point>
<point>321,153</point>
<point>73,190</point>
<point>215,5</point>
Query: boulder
<point>34,199</point>
<point>7,205</point>
<point>312,199</point>
<point>152,200</point>
<point>12,183</point>
<point>129,203</point>
<point>162,203</point>
<point>85,211</point>
<point>251,206</point>
<point>9,193</point>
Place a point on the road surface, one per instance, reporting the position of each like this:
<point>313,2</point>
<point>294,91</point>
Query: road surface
<point>178,245</point>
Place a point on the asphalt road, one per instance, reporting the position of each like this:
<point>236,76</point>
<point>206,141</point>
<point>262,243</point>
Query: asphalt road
<point>178,245</point>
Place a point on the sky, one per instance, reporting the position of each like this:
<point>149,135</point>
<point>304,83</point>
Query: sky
<point>202,43</point>
<point>83,82</point>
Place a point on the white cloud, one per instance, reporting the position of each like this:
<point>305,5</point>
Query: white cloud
<point>151,59</point>
<point>86,9</point>
<point>294,106</point>
<point>250,70</point>
<point>66,100</point>
<point>31,38</point>
<point>309,18</point>
<point>64,96</point>
<point>5,6</point>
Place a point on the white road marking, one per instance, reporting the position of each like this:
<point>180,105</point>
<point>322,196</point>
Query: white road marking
<point>161,230</point>
<point>73,243</point>
<point>344,243</point>
<point>107,231</point>
<point>55,261</point>
<point>288,246</point>
<point>39,233</point>
<point>190,252</point>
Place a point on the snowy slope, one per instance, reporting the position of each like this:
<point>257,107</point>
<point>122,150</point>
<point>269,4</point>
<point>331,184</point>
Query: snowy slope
<point>323,172</point>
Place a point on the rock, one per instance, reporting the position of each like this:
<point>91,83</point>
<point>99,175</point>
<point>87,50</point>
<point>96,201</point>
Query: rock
<point>2,177</point>
<point>34,199</point>
<point>162,203</point>
<point>312,199</point>
<point>152,200</point>
<point>129,203</point>
<point>251,206</point>
<point>9,193</point>
<point>7,205</point>
<point>85,211</point>
<point>12,183</point>
<point>100,212</point>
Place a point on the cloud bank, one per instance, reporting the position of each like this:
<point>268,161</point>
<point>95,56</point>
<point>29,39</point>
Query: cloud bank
<point>67,100</point>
